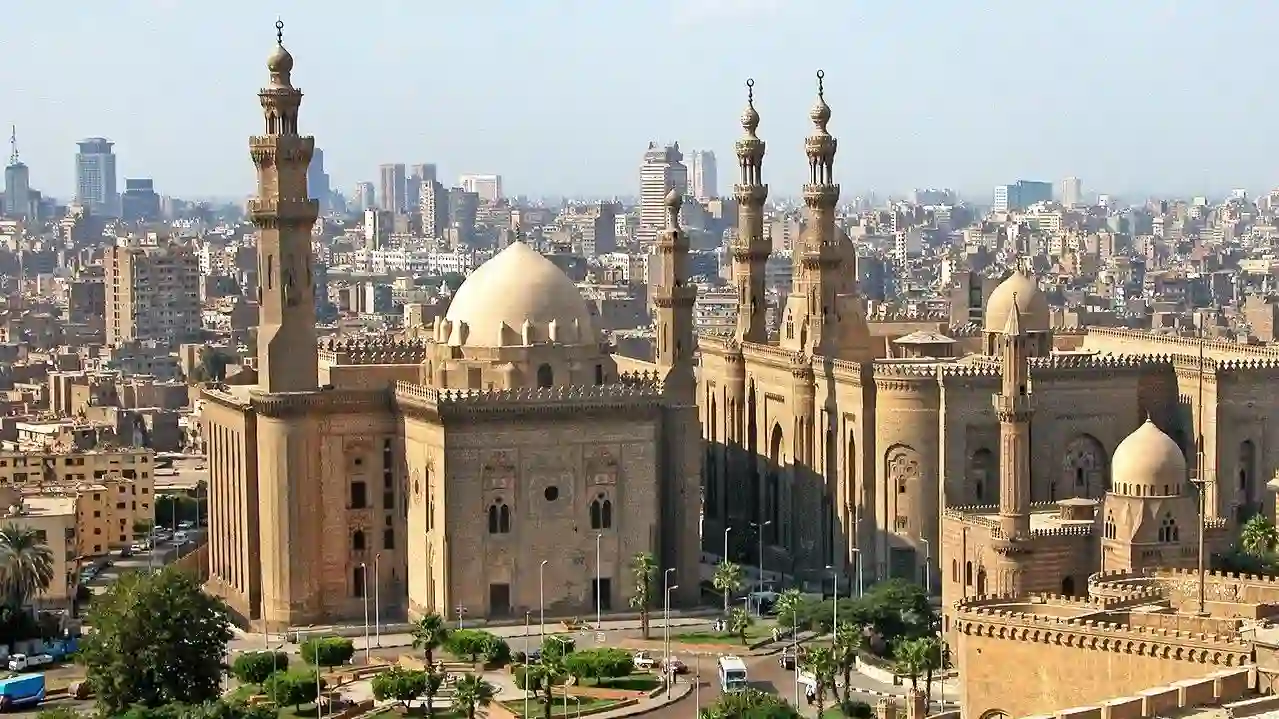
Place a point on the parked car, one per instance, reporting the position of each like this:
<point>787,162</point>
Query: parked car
<point>675,666</point>
<point>644,661</point>
<point>788,658</point>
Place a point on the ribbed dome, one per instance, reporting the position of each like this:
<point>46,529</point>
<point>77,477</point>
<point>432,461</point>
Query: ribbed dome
<point>515,287</point>
<point>1148,457</point>
<point>1031,303</point>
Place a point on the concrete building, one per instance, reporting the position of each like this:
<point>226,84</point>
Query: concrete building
<point>139,202</point>
<point>1021,194</point>
<point>54,521</point>
<point>391,188</point>
<point>95,176</point>
<point>488,188</point>
<point>703,175</point>
<point>663,170</point>
<point>17,184</point>
<point>379,454</point>
<point>1072,191</point>
<point>152,292</point>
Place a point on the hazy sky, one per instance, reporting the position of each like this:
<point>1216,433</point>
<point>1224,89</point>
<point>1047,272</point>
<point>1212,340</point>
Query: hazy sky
<point>562,96</point>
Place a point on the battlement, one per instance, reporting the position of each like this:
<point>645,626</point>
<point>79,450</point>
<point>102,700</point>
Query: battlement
<point>981,369</point>
<point>996,616</point>
<point>1107,362</point>
<point>630,393</point>
<point>374,351</point>
<point>1191,344</point>
<point>1216,577</point>
<point>1121,585</point>
<point>890,369</point>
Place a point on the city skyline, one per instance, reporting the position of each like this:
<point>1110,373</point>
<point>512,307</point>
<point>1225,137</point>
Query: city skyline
<point>1020,105</point>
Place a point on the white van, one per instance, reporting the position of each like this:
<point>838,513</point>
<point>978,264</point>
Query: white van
<point>732,674</point>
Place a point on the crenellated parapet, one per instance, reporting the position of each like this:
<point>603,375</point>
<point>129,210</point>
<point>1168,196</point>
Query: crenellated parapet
<point>1122,585</point>
<point>1014,618</point>
<point>1177,344</point>
<point>374,351</point>
<point>985,516</point>
<point>637,391</point>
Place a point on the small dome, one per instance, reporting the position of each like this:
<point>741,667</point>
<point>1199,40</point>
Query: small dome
<point>516,286</point>
<point>280,62</point>
<point>1148,457</point>
<point>1032,305</point>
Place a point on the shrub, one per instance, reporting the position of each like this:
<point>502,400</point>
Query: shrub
<point>496,650</point>
<point>255,667</point>
<point>292,687</point>
<point>856,709</point>
<point>605,663</point>
<point>471,643</point>
<point>558,645</point>
<point>327,651</point>
<point>401,685</point>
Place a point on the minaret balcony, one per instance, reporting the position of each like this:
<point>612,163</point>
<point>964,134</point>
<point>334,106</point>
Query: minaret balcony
<point>273,209</point>
<point>1015,406</point>
<point>821,195</point>
<point>751,195</point>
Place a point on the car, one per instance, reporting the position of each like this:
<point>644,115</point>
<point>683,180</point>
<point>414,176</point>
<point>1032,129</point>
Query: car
<point>140,546</point>
<point>126,552</point>
<point>180,537</point>
<point>187,524</point>
<point>788,658</point>
<point>644,661</point>
<point>675,666</point>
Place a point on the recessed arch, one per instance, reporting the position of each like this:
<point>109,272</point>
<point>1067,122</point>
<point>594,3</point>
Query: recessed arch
<point>983,478</point>
<point>545,375</point>
<point>1084,471</point>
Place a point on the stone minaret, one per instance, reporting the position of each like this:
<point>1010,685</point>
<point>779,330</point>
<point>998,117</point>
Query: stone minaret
<point>681,474</point>
<point>287,352</point>
<point>818,261</point>
<point>1014,408</point>
<point>751,249</point>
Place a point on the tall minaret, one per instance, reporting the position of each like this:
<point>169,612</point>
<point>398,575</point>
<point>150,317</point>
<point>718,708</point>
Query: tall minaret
<point>1013,407</point>
<point>673,300</point>
<point>287,352</point>
<point>751,249</point>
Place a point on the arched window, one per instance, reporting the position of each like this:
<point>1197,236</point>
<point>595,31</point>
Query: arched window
<point>981,581</point>
<point>601,513</point>
<point>545,376</point>
<point>954,570</point>
<point>499,517</point>
<point>357,541</point>
<point>1110,531</point>
<point>493,519</point>
<point>968,574</point>
<point>1168,531</point>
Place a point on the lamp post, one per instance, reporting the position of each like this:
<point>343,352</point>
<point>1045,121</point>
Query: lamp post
<point>834,604</point>
<point>377,597</point>
<point>858,558</point>
<point>541,598</point>
<point>364,591</point>
<point>526,617</point>
<point>794,643</point>
<point>725,559</point>
<point>666,628</point>
<point>759,607</point>
<point>928,571</point>
<point>599,585</point>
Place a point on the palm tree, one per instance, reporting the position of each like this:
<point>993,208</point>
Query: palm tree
<point>820,662</point>
<point>434,680</point>
<point>932,662</point>
<point>26,564</point>
<point>644,569</point>
<point>1258,537</point>
<point>727,579</point>
<point>430,633</point>
<point>849,640</point>
<point>542,677</point>
<point>787,605</point>
<point>910,659</point>
<point>471,692</point>
<point>739,620</point>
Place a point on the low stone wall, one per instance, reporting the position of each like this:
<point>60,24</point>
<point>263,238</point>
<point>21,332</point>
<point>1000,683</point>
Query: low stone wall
<point>1215,689</point>
<point>195,562</point>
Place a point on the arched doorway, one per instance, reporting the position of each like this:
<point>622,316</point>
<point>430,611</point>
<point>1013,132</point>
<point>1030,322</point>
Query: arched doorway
<point>983,478</point>
<point>545,376</point>
<point>1249,499</point>
<point>1083,471</point>
<point>773,490</point>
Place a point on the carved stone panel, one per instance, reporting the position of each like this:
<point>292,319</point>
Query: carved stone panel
<point>601,464</point>
<point>498,469</point>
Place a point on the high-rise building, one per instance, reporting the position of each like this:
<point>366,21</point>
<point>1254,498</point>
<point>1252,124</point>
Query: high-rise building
<point>317,181</point>
<point>463,206</point>
<point>703,177</point>
<point>663,170</point>
<point>433,204</point>
<point>487,187</point>
<point>95,177</point>
<point>365,197</point>
<point>17,183</point>
<point>1021,194</point>
<point>139,202</point>
<point>418,174</point>
<point>391,190</point>
<point>152,293</point>
<point>1072,191</point>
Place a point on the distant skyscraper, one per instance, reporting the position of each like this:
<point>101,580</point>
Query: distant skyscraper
<point>703,177</point>
<point>487,187</point>
<point>95,177</point>
<point>663,170</point>
<point>1072,191</point>
<point>424,172</point>
<point>391,191</point>
<point>418,174</point>
<point>139,201</point>
<point>1021,194</point>
<point>17,183</point>
<point>433,204</point>
<point>317,181</point>
<point>365,197</point>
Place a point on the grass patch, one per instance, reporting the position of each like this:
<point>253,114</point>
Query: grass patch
<point>638,682</point>
<point>537,709</point>
<point>243,692</point>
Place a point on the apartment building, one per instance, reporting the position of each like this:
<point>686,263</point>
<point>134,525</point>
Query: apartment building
<point>54,521</point>
<point>113,490</point>
<point>152,292</point>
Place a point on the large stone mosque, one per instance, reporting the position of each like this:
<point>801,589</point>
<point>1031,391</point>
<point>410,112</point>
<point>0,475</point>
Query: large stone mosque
<point>511,460</point>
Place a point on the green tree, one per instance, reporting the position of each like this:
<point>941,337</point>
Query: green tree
<point>398,684</point>
<point>787,607</point>
<point>470,693</point>
<point>430,633</point>
<point>740,620</point>
<point>470,643</point>
<point>543,677</point>
<point>820,663</point>
<point>26,564</point>
<point>453,280</point>
<point>294,687</point>
<point>208,710</point>
<point>255,667</point>
<point>604,663</point>
<point>727,580</point>
<point>911,659</point>
<point>1258,537</point>
<point>932,662</point>
<point>156,639</point>
<point>142,529</point>
<point>643,569</point>
<point>173,508</point>
<point>327,651</point>
<point>750,704</point>
<point>849,640</point>
<point>496,651</point>
<point>558,646</point>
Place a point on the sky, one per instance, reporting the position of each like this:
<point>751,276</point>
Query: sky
<point>563,96</point>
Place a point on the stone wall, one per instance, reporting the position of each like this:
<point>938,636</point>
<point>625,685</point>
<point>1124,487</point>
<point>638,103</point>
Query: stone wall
<point>1224,687</point>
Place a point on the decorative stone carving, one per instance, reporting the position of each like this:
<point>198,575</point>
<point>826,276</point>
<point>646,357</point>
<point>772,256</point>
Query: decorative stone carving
<point>602,464</point>
<point>498,469</point>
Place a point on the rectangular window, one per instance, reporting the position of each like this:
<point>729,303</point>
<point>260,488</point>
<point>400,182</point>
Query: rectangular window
<point>359,495</point>
<point>388,539</point>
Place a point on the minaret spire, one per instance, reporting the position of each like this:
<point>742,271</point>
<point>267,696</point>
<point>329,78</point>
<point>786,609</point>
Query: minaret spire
<point>673,299</point>
<point>750,248</point>
<point>1014,409</point>
<point>287,353</point>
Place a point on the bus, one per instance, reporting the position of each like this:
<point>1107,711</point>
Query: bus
<point>732,674</point>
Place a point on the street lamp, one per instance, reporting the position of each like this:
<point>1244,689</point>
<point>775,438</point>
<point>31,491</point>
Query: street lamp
<point>599,585</point>
<point>377,597</point>
<point>666,627</point>
<point>928,574</point>
<point>541,597</point>
<point>759,608</point>
<point>834,604</point>
<point>725,560</point>
<point>526,616</point>
<point>364,592</point>
<point>858,559</point>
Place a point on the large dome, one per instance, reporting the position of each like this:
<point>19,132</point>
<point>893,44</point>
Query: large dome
<point>518,287</point>
<point>1031,303</point>
<point>1149,457</point>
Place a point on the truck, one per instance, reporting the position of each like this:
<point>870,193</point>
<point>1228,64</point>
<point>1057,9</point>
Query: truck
<point>22,690</point>
<point>23,662</point>
<point>732,674</point>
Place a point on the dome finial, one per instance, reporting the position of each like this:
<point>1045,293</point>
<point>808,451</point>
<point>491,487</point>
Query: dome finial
<point>280,62</point>
<point>674,201</point>
<point>279,31</point>
<point>821,78</point>
<point>750,117</point>
<point>820,114</point>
